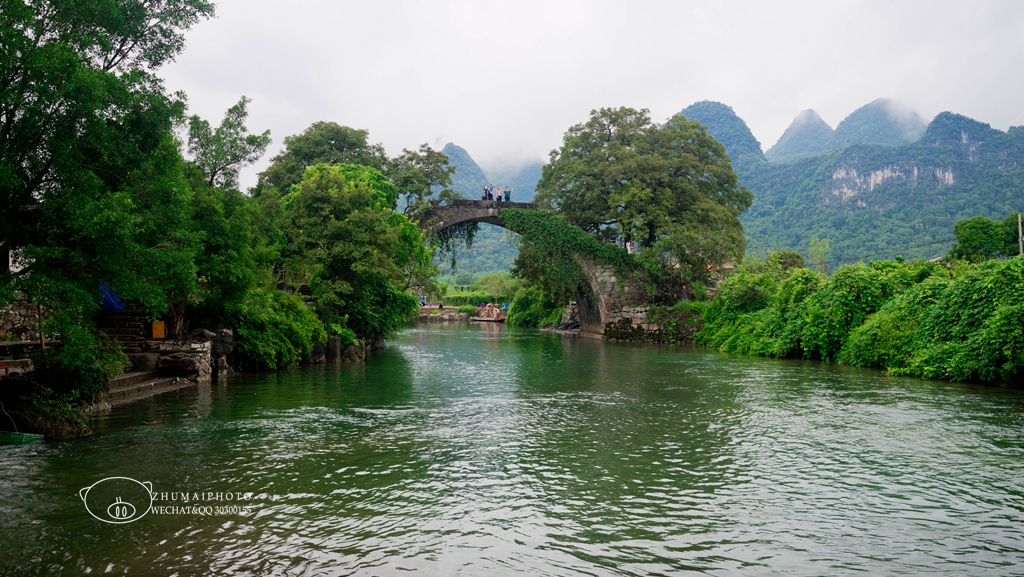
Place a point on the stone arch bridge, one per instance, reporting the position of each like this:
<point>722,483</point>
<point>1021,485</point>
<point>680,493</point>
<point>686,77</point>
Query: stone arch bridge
<point>608,310</point>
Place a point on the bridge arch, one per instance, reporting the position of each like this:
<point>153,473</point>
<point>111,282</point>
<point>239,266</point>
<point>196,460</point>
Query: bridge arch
<point>604,304</point>
<point>457,211</point>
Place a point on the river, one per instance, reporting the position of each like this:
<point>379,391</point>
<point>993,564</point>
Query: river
<point>481,450</point>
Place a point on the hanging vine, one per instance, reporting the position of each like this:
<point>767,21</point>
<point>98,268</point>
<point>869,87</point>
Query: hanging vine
<point>448,241</point>
<point>549,249</point>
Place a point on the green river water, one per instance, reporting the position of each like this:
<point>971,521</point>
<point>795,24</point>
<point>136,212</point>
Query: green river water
<point>480,450</point>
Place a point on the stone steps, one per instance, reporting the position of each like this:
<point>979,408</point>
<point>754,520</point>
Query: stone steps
<point>134,391</point>
<point>127,327</point>
<point>131,378</point>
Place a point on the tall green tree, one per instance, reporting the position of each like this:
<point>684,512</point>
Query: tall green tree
<point>74,77</point>
<point>670,189</point>
<point>619,173</point>
<point>221,152</point>
<point>423,177</point>
<point>980,238</point>
<point>343,226</point>
<point>91,177</point>
<point>322,143</point>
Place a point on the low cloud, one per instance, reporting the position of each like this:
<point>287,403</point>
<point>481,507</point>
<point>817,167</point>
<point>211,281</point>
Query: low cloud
<point>505,80</point>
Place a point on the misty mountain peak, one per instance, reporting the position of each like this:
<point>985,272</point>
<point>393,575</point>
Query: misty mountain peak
<point>468,178</point>
<point>883,121</point>
<point>808,135</point>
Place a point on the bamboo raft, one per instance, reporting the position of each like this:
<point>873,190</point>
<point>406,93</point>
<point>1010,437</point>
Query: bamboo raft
<point>9,438</point>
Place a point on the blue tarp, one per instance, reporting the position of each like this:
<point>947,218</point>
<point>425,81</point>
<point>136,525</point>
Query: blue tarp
<point>109,299</point>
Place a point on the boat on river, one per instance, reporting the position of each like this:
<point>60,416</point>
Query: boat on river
<point>487,320</point>
<point>9,438</point>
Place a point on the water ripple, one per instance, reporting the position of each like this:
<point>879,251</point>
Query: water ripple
<point>490,452</point>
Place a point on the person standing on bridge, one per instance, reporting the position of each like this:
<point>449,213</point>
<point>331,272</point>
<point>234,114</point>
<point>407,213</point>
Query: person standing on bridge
<point>499,194</point>
<point>508,194</point>
<point>483,195</point>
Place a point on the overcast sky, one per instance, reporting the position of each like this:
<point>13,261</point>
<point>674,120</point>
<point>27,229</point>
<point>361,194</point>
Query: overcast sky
<point>506,79</point>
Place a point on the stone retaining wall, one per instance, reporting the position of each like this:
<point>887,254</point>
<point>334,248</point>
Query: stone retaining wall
<point>190,359</point>
<point>443,317</point>
<point>19,321</point>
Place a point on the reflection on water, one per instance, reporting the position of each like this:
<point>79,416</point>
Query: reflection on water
<point>482,450</point>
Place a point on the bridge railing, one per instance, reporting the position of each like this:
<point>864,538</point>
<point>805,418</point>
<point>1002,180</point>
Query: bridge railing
<point>462,203</point>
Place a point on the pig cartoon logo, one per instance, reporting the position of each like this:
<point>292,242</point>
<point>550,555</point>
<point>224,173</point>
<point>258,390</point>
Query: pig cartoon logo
<point>118,500</point>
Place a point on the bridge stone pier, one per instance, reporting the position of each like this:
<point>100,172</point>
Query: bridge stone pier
<point>612,306</point>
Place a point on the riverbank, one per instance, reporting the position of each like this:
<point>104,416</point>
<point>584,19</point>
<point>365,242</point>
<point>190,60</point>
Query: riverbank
<point>438,316</point>
<point>948,321</point>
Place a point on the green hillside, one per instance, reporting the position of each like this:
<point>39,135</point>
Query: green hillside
<point>468,180</point>
<point>728,129</point>
<point>808,135</point>
<point>881,200</point>
<point>880,122</point>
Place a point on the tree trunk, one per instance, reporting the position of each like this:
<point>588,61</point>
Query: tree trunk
<point>177,324</point>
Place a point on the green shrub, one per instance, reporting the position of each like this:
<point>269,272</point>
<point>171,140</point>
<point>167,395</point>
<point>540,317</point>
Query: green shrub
<point>275,329</point>
<point>678,322</point>
<point>467,309</point>
<point>843,303</point>
<point>531,308</point>
<point>886,339</point>
<point>553,318</point>
<point>64,379</point>
<point>965,323</point>
<point>975,329</point>
<point>474,299</point>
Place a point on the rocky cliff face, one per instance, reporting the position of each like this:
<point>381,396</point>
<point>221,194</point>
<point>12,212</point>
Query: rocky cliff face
<point>847,183</point>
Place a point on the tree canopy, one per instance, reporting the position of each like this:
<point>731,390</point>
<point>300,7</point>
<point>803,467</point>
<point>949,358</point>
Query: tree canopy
<point>322,143</point>
<point>671,188</point>
<point>92,186</point>
<point>220,153</point>
<point>343,228</point>
<point>979,238</point>
<point>423,177</point>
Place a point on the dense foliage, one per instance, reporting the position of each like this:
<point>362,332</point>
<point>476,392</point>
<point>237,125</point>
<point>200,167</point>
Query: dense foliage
<point>92,189</point>
<point>670,190</point>
<point>342,226</point>
<point>95,190</point>
<point>533,308</point>
<point>548,256</point>
<point>321,143</point>
<point>979,238</point>
<point>619,174</point>
<point>961,323</point>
